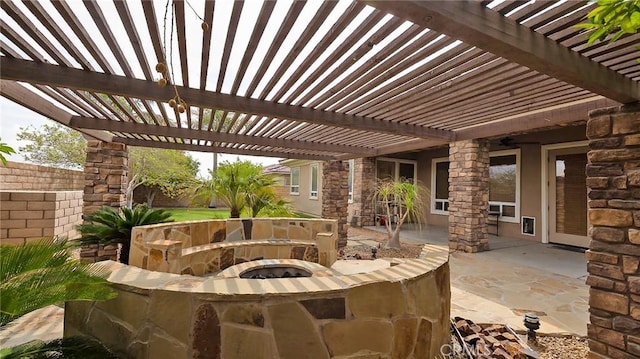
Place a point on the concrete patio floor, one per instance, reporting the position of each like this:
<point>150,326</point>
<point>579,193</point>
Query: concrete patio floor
<point>514,277</point>
<point>498,286</point>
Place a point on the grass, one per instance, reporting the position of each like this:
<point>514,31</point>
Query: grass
<point>194,214</point>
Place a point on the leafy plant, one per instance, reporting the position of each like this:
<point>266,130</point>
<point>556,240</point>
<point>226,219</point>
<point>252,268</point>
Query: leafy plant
<point>612,17</point>
<point>402,200</point>
<point>41,273</point>
<point>108,226</point>
<point>241,185</point>
<point>5,149</point>
<point>65,348</point>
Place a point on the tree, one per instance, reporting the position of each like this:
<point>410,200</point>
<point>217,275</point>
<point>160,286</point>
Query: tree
<point>41,273</point>
<point>5,149</point>
<point>107,226</point>
<point>612,17</point>
<point>53,145</point>
<point>402,200</point>
<point>169,171</point>
<point>240,185</point>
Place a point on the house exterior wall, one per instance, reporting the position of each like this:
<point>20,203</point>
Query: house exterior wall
<point>531,199</point>
<point>302,202</point>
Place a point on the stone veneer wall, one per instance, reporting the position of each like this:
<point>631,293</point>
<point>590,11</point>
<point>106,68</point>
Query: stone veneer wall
<point>396,312</point>
<point>335,196</point>
<point>613,178</point>
<point>105,174</point>
<point>468,195</point>
<point>364,183</point>
<point>31,215</point>
<point>204,247</point>
<point>28,177</point>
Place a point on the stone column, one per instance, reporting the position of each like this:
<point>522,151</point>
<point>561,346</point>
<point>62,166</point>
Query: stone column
<point>105,174</point>
<point>468,195</point>
<point>613,180</point>
<point>335,196</point>
<point>364,182</point>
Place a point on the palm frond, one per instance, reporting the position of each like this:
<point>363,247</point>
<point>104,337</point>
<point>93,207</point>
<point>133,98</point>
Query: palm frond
<point>67,348</point>
<point>41,273</point>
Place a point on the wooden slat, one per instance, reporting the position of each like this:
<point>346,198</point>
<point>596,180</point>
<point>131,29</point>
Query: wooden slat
<point>46,20</point>
<point>64,9</point>
<point>102,23</point>
<point>345,19</point>
<point>228,44</point>
<point>31,29</point>
<point>129,127</point>
<point>283,30</point>
<point>217,149</point>
<point>28,71</point>
<point>376,64</point>
<point>209,7</point>
<point>362,30</point>
<point>252,46</point>
<point>492,32</point>
<point>19,94</point>
<point>315,23</point>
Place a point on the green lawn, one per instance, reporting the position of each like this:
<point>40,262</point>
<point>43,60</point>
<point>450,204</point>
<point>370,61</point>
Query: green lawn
<point>194,214</point>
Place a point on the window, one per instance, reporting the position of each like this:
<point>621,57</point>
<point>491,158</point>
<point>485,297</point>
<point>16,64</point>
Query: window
<point>396,169</point>
<point>295,180</point>
<point>314,182</point>
<point>440,182</point>
<point>504,185</point>
<point>351,165</point>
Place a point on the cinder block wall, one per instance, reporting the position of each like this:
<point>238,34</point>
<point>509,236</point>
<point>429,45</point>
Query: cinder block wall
<point>30,215</point>
<point>23,176</point>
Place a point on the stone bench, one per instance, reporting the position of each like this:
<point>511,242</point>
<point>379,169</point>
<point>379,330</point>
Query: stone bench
<point>207,247</point>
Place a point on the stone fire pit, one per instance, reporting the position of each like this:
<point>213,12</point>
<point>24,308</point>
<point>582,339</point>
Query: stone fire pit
<point>398,311</point>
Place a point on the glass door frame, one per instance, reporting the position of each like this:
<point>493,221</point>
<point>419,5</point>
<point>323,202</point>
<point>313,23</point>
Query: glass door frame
<point>544,171</point>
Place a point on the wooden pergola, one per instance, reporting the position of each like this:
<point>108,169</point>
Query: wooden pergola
<point>311,80</point>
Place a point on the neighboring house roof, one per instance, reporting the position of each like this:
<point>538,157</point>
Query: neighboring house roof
<point>276,169</point>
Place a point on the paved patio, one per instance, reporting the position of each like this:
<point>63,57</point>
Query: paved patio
<point>498,286</point>
<point>514,277</point>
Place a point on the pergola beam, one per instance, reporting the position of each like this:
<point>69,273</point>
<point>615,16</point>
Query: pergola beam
<point>21,95</point>
<point>59,76</point>
<point>560,115</point>
<point>474,24</point>
<point>188,133</point>
<point>218,149</point>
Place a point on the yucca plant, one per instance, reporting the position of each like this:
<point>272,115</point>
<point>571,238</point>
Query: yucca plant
<point>41,273</point>
<point>107,226</point>
<point>402,200</point>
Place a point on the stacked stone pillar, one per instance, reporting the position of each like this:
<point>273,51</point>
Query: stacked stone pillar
<point>105,173</point>
<point>335,196</point>
<point>468,195</point>
<point>613,180</point>
<point>364,182</point>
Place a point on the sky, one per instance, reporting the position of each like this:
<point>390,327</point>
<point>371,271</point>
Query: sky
<point>14,116</point>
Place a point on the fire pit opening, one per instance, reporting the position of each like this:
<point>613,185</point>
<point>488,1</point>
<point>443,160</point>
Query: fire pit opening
<point>275,271</point>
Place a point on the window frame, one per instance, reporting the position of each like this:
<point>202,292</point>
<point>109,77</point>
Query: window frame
<point>313,194</point>
<point>350,179</point>
<point>434,162</point>
<point>511,152</point>
<point>293,185</point>
<point>398,161</point>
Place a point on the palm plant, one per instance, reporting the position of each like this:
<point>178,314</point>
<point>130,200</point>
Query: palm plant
<point>107,226</point>
<point>66,348</point>
<point>239,185</point>
<point>41,273</point>
<point>5,149</point>
<point>402,200</point>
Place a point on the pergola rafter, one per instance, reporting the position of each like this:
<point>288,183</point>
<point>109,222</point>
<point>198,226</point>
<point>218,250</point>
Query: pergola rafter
<point>311,79</point>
